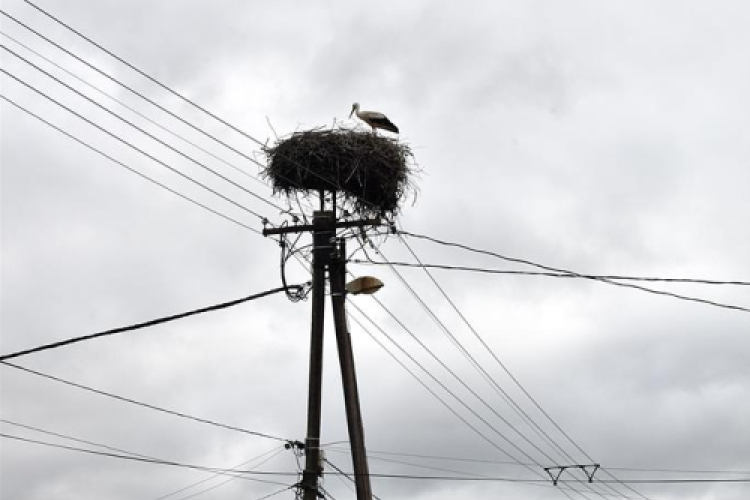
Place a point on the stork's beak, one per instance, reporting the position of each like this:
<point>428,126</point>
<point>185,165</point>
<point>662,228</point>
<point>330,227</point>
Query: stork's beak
<point>350,114</point>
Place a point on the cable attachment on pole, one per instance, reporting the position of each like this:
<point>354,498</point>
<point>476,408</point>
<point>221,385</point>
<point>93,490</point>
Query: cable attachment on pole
<point>300,486</point>
<point>298,292</point>
<point>296,444</point>
<point>556,471</point>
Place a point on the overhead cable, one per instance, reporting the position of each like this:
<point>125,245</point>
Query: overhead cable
<point>375,453</point>
<point>245,475</point>
<point>445,388</point>
<point>532,482</point>
<point>427,387</point>
<point>348,476</point>
<point>133,146</point>
<point>548,274</point>
<point>127,167</point>
<point>153,322</point>
<point>472,360</point>
<point>134,110</point>
<point>130,89</point>
<point>141,130</point>
<point>482,371</point>
<point>142,73</point>
<point>264,458</point>
<point>162,108</point>
<point>142,404</point>
<point>584,276</point>
<point>273,452</point>
<point>521,412</point>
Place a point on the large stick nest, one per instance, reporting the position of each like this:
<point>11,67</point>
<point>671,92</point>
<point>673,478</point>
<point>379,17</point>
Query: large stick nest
<point>371,172</point>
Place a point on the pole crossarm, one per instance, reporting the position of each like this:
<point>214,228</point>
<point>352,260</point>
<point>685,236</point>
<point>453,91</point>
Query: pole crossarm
<point>556,471</point>
<point>299,228</point>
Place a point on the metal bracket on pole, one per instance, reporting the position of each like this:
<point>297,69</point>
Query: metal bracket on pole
<point>556,472</point>
<point>298,228</point>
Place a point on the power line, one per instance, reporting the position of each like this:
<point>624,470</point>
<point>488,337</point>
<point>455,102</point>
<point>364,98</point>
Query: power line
<point>122,164</point>
<point>224,216</point>
<point>472,360</point>
<point>273,453</point>
<point>520,480</point>
<point>438,382</point>
<point>141,130</point>
<point>548,274</point>
<point>430,390</point>
<point>152,102</point>
<point>128,400</point>
<point>245,473</point>
<point>681,471</point>
<point>132,146</point>
<point>507,371</point>
<point>440,457</point>
<point>584,276</point>
<point>427,387</point>
<point>442,385</point>
<point>375,453</point>
<point>493,383</point>
<point>374,456</point>
<point>371,456</point>
<point>137,458</point>
<point>152,79</point>
<point>151,157</point>
<point>144,405</point>
<point>483,372</point>
<point>130,89</point>
<point>348,476</point>
<point>274,493</point>
<point>153,322</point>
<point>71,438</point>
<point>531,482</point>
<point>134,110</point>
<point>459,379</point>
<point>327,495</point>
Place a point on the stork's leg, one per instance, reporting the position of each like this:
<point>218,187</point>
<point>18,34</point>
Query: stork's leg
<point>374,130</point>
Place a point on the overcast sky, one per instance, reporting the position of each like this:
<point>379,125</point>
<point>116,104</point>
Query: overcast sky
<point>600,137</point>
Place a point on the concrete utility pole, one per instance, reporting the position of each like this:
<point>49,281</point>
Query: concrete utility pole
<point>337,278</point>
<point>329,253</point>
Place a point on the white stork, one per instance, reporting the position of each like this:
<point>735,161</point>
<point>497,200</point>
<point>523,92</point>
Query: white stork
<point>374,119</point>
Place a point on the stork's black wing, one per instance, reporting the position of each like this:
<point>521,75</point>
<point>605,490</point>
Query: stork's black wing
<point>384,123</point>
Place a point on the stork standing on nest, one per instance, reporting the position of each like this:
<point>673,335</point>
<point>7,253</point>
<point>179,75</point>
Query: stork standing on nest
<point>374,119</point>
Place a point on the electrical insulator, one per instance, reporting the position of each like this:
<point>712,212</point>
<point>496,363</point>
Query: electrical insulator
<point>321,460</point>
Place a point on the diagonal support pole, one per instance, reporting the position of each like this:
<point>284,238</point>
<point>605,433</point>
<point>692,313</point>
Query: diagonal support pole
<point>346,359</point>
